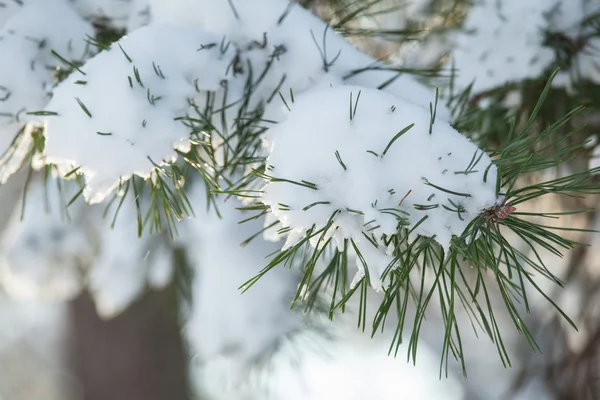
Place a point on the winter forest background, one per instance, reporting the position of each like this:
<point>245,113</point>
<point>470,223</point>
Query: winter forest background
<point>413,184</point>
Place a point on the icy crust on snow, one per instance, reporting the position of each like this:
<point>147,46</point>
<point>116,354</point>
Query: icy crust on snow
<point>356,170</point>
<point>243,324</point>
<point>500,42</point>
<point>52,254</point>
<point>119,117</point>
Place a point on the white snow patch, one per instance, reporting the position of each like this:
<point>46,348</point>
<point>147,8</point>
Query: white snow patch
<point>358,169</point>
<point>53,254</point>
<point>244,324</point>
<point>27,70</point>
<point>501,42</point>
<point>120,118</point>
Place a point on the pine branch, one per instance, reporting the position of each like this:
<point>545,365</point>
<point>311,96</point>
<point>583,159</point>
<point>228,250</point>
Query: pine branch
<point>484,246</point>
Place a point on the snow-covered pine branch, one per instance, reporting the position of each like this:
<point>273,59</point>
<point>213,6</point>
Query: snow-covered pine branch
<point>122,112</point>
<point>360,161</point>
<point>30,41</point>
<point>362,165</point>
<point>173,72</point>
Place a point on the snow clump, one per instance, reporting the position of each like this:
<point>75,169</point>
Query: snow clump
<point>368,162</point>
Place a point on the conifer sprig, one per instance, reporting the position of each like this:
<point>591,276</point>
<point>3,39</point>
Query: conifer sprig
<point>421,273</point>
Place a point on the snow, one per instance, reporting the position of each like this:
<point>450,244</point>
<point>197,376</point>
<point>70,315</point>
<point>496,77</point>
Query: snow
<point>28,35</point>
<point>112,131</point>
<point>333,364</point>
<point>127,265</point>
<point>44,254</point>
<point>305,44</point>
<point>116,12</point>
<point>24,84</point>
<point>54,254</point>
<point>90,133</point>
<point>153,72</point>
<point>36,23</point>
<point>501,42</point>
<point>402,85</point>
<point>33,337</point>
<point>139,15</point>
<point>567,19</point>
<point>31,332</point>
<point>595,158</point>
<point>319,359</point>
<point>357,168</point>
<point>7,10</point>
<point>243,324</point>
<point>17,149</point>
<point>251,346</point>
<point>585,67</point>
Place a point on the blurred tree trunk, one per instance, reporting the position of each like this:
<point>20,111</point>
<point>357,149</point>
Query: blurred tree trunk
<point>138,355</point>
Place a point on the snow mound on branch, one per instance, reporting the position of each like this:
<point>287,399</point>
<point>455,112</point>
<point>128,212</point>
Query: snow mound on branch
<point>156,70</point>
<point>262,28</point>
<point>26,41</point>
<point>24,87</point>
<point>53,253</point>
<point>36,22</point>
<point>24,82</point>
<point>302,48</point>
<point>29,34</point>
<point>502,42</point>
<point>368,163</point>
<point>120,116</point>
<point>244,324</point>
